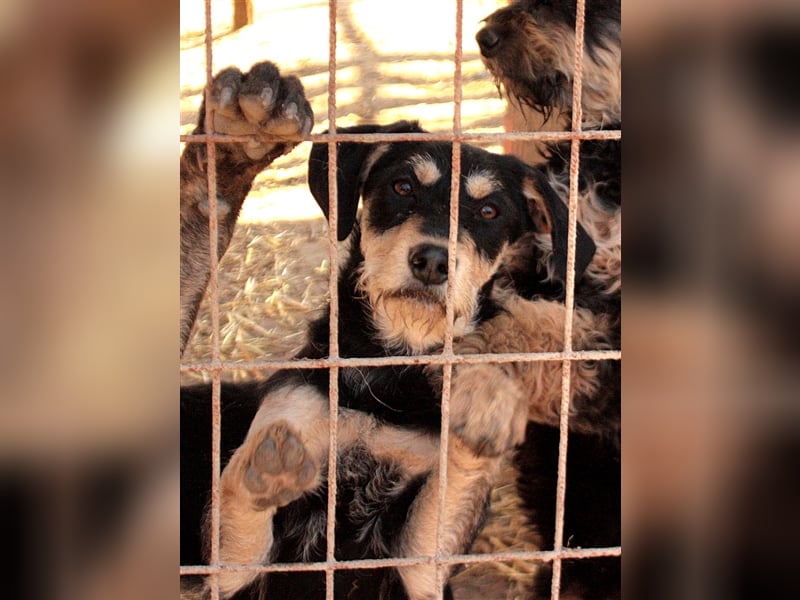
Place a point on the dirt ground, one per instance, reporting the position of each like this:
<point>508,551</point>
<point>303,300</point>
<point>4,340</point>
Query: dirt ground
<point>391,64</point>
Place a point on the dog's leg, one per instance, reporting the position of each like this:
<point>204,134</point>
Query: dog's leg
<point>278,462</point>
<point>488,398</point>
<point>469,481</point>
<point>490,405</point>
<point>270,470</point>
<point>273,112</point>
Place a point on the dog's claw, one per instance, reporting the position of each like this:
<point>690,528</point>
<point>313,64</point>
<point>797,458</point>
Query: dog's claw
<point>266,97</point>
<point>290,111</point>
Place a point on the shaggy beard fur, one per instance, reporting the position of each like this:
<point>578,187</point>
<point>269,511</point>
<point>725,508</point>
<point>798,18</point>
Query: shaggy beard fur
<point>530,51</point>
<point>411,318</point>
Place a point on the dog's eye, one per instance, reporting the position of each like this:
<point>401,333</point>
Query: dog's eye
<point>403,187</point>
<point>489,211</point>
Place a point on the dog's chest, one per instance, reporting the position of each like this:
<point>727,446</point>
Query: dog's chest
<point>401,395</point>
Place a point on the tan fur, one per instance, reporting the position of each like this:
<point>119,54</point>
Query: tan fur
<point>192,592</point>
<point>554,46</point>
<point>246,525</point>
<point>486,394</point>
<point>245,520</point>
<point>549,46</point>
<point>602,225</point>
<point>601,89</point>
<point>469,480</point>
<point>480,184</point>
<point>252,114</point>
<point>601,85</point>
<point>519,117</point>
<point>415,452</point>
<point>425,169</point>
<point>537,206</point>
<point>380,150</point>
<point>605,229</point>
<point>417,324</point>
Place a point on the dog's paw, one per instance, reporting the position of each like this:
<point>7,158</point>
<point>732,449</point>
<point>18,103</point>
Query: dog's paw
<point>488,408</point>
<point>270,109</point>
<point>279,469</point>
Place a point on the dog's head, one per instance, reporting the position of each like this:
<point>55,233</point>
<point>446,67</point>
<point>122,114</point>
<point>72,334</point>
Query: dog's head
<point>529,48</point>
<point>401,237</point>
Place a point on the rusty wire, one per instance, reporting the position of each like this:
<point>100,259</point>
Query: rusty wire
<point>213,290</point>
<point>569,301</point>
<point>542,556</point>
<point>333,321</point>
<point>539,136</point>
<point>382,361</point>
<point>334,362</point>
<point>447,371</point>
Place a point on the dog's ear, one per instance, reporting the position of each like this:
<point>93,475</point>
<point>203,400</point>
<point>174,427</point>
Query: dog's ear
<point>351,157</point>
<point>551,215</point>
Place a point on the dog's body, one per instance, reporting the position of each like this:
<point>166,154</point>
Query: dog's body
<point>529,49</point>
<point>391,302</point>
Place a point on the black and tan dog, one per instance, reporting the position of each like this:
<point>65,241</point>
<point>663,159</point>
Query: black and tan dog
<point>391,302</point>
<point>529,48</point>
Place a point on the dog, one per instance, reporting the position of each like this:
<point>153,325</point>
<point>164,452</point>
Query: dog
<point>528,47</point>
<point>391,288</point>
<point>274,112</point>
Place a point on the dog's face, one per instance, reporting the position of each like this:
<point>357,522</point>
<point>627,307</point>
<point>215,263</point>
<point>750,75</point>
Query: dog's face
<point>404,226</point>
<point>404,237</point>
<point>529,48</point>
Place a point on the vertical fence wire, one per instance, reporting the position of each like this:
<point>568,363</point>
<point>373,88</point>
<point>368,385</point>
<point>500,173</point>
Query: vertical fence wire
<point>333,290</point>
<point>455,183</point>
<point>442,562</point>
<point>213,290</point>
<point>569,301</point>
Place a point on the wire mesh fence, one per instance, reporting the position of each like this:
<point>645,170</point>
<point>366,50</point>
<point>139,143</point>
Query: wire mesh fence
<point>215,366</point>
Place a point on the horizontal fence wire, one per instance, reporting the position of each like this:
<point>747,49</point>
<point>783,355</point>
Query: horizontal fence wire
<point>541,556</point>
<point>382,361</point>
<point>538,136</point>
<point>216,366</point>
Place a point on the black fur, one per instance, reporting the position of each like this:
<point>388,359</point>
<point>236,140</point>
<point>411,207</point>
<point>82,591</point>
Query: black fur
<point>374,499</point>
<point>542,80</point>
<point>592,507</point>
<point>530,78</point>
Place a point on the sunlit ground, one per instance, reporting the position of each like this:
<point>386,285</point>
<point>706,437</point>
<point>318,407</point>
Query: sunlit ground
<point>392,64</point>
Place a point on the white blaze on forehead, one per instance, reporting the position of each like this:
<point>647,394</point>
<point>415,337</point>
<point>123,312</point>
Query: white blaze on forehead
<point>480,184</point>
<point>426,169</point>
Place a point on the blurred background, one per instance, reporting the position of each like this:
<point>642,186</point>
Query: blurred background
<point>88,357</point>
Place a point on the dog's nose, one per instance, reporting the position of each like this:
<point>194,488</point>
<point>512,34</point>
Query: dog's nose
<point>428,263</point>
<point>488,41</point>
